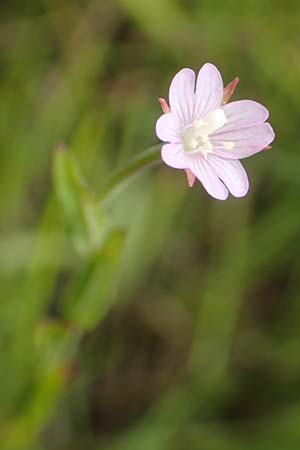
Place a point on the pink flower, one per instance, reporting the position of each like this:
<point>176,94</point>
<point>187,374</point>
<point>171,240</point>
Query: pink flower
<point>206,137</point>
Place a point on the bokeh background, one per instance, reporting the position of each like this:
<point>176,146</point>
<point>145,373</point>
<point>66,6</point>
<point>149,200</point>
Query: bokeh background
<point>161,319</point>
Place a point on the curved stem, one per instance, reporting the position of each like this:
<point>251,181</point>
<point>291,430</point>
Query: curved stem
<point>143,161</point>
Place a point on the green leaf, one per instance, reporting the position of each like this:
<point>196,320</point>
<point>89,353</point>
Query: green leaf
<point>82,216</point>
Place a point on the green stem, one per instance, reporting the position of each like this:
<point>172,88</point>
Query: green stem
<point>143,161</point>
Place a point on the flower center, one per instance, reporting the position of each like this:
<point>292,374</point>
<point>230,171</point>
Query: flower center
<point>195,137</point>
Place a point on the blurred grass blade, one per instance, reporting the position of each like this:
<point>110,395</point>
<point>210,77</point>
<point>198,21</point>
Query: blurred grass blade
<point>82,217</point>
<point>90,294</point>
<point>53,346</point>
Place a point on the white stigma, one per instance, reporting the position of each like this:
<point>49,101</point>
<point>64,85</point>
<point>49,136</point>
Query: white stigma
<point>195,137</point>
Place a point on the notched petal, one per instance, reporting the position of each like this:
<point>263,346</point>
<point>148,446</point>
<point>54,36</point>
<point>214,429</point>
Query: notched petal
<point>167,128</point>
<point>232,173</point>
<point>247,141</point>
<point>209,91</point>
<point>181,95</point>
<point>201,168</point>
<point>173,155</point>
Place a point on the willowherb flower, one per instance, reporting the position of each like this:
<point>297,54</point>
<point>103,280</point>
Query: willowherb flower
<point>206,136</point>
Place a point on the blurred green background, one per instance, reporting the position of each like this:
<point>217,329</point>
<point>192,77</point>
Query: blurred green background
<point>161,319</point>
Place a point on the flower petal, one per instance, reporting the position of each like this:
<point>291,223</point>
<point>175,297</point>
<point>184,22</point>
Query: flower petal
<point>167,128</point>
<point>243,114</point>
<point>209,91</point>
<point>201,168</point>
<point>181,96</point>
<point>232,173</point>
<point>173,155</point>
<point>241,143</point>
